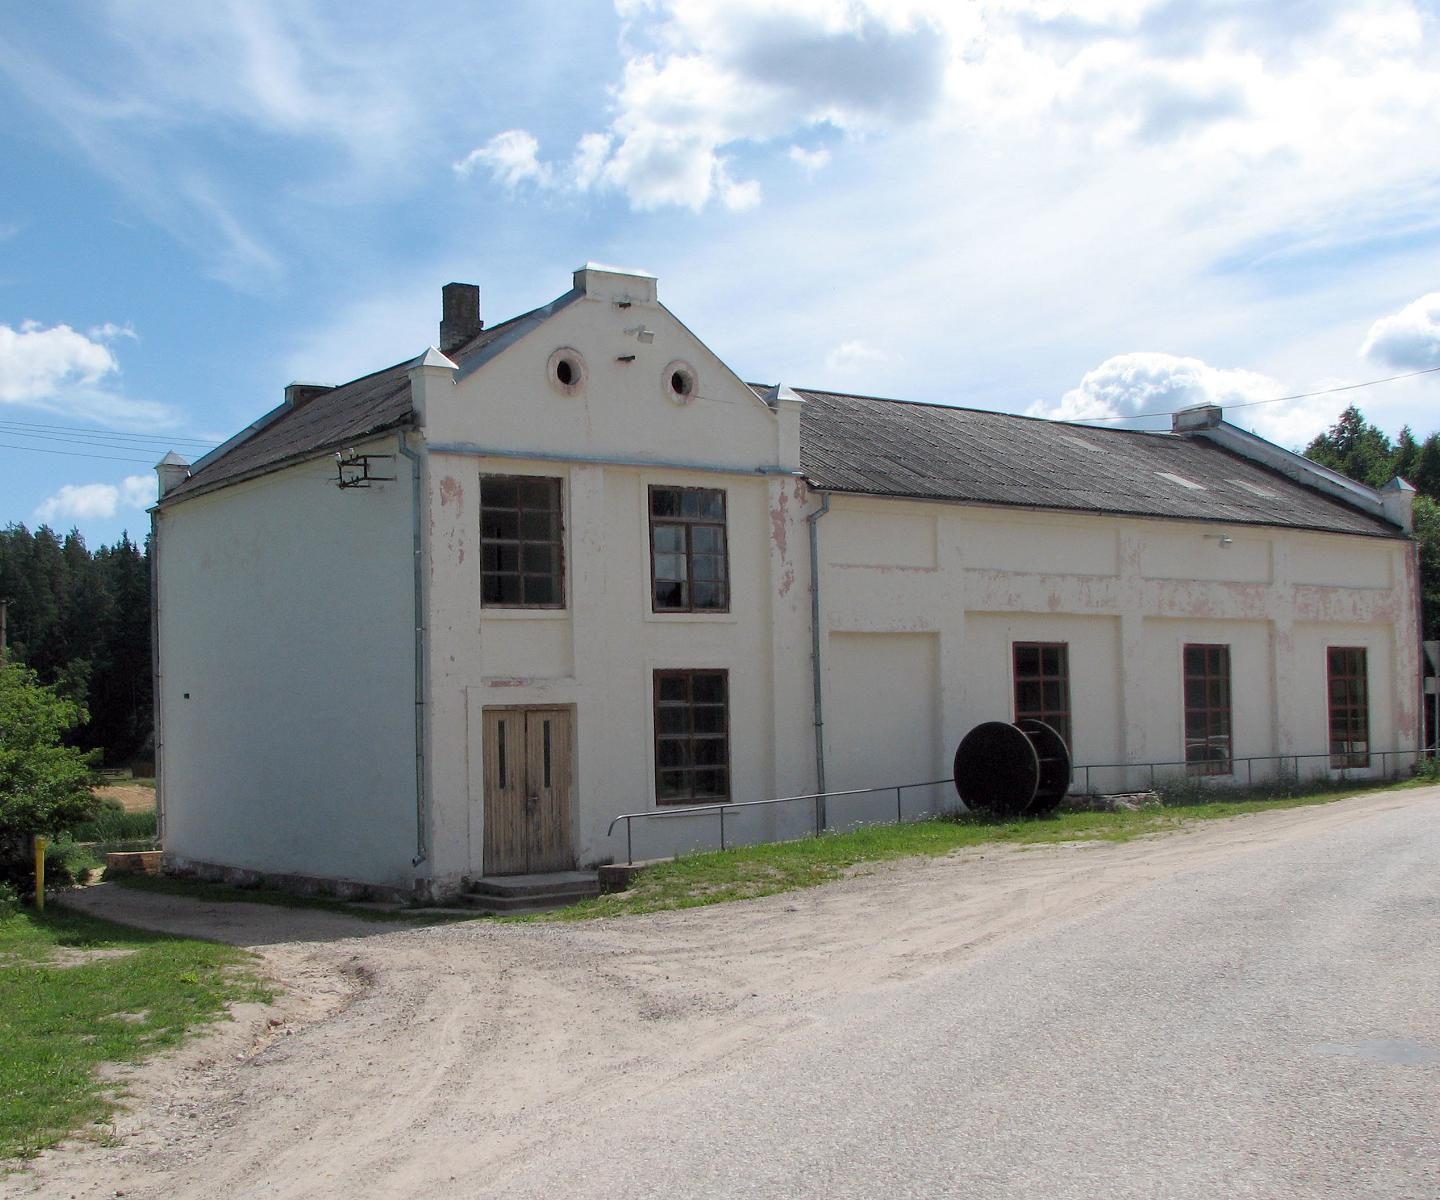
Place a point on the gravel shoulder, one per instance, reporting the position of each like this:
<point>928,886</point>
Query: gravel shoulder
<point>401,1060</point>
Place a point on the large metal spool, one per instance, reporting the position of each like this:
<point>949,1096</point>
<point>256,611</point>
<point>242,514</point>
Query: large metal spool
<point>1012,770</point>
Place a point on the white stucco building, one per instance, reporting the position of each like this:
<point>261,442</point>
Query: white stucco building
<point>450,619</point>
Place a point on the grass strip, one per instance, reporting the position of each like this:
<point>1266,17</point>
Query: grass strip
<point>76,992</point>
<point>744,873</point>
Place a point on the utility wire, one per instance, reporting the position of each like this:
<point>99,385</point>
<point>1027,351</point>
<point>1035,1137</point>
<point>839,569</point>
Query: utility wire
<point>73,453</point>
<point>1348,387</point>
<point>19,427</point>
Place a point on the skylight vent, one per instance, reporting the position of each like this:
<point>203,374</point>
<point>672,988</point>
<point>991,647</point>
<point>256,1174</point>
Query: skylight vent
<point>1263,493</point>
<point>1082,443</point>
<point>1182,481</point>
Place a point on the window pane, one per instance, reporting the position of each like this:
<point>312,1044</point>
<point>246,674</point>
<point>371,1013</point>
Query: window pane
<point>538,526</point>
<point>669,595</point>
<point>709,718</point>
<point>707,539</point>
<point>536,560</point>
<point>709,752</point>
<point>500,523</point>
<point>536,493</point>
<point>709,688</point>
<point>709,595</point>
<point>672,785</point>
<point>664,502</point>
<point>690,503</point>
<point>675,689</point>
<point>540,589</point>
<point>669,566</point>
<point>1027,660</point>
<point>709,783</point>
<point>500,589</point>
<point>712,504</point>
<point>673,752</point>
<point>498,492</point>
<point>708,566</point>
<point>668,539</point>
<point>670,719</point>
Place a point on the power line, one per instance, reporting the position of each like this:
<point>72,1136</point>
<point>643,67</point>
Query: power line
<point>73,453</point>
<point>128,435</point>
<point>1348,387</point>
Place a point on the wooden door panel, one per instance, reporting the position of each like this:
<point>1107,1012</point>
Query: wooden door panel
<point>506,835</point>
<point>548,765</point>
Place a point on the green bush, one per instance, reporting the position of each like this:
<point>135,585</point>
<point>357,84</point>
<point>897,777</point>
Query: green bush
<point>67,862</point>
<point>9,901</point>
<point>44,785</point>
<point>114,824</point>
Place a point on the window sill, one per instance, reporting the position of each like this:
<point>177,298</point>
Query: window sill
<point>712,618</point>
<point>524,614</point>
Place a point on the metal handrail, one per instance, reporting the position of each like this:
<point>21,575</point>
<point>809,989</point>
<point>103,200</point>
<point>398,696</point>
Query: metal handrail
<point>821,822</point>
<point>731,806</point>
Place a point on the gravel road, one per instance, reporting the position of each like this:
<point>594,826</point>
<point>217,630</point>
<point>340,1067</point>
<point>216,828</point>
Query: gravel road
<point>1245,1008</point>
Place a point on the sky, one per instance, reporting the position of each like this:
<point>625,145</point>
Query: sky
<point>1081,210</point>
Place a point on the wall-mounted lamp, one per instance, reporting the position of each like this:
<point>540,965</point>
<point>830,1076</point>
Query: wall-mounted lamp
<point>1223,538</point>
<point>640,333</point>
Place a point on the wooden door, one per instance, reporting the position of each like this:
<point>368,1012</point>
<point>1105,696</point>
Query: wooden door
<point>528,774</point>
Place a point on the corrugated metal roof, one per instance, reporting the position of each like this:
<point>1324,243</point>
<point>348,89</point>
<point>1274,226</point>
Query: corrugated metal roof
<point>932,451</point>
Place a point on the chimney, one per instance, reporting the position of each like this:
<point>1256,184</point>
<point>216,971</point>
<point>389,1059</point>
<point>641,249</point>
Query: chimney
<point>459,315</point>
<point>1200,416</point>
<point>298,395</point>
<point>172,471</point>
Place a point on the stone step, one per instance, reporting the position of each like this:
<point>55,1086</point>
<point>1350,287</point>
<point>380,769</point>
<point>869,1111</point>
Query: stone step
<point>580,884</point>
<point>528,903</point>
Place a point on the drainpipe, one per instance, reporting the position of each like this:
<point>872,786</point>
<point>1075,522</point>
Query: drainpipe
<point>417,555</point>
<point>813,520</point>
<point>157,705</point>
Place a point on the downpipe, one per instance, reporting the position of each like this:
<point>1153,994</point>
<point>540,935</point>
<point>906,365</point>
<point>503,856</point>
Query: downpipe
<point>813,521</point>
<point>417,556</point>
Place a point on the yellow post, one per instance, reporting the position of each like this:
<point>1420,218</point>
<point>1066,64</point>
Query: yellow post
<point>40,844</point>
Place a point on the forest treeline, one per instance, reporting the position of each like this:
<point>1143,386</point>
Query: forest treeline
<point>81,619</point>
<point>1358,449</point>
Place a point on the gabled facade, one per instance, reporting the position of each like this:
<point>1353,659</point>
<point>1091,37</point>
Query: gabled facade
<point>450,619</point>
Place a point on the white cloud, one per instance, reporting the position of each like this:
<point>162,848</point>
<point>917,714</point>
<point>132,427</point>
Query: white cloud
<point>853,356</point>
<point>138,491</point>
<point>1408,340</point>
<point>809,161</point>
<point>1145,382</point>
<point>60,370</point>
<point>511,157</point>
<point>36,363</point>
<point>96,501</point>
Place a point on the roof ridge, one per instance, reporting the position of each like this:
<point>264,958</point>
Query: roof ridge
<point>940,404</point>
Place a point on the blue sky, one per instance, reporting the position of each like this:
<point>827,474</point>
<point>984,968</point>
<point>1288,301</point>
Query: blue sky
<point>1075,209</point>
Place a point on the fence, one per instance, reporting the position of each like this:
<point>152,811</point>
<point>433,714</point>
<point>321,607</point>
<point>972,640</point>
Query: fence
<point>819,819</point>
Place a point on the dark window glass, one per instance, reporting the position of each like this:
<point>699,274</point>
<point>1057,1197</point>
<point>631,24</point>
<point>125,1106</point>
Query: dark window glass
<point>1042,684</point>
<point>522,554</point>
<point>689,567</point>
<point>1349,706</point>
<point>1207,710</point>
<point>692,737</point>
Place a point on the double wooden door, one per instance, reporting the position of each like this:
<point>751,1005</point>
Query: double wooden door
<point>529,754</point>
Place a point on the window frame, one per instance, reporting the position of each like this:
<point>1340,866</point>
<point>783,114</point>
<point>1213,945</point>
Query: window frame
<point>520,542</point>
<point>688,524</point>
<point>1214,680</point>
<point>689,737</point>
<point>1353,713</point>
<point>1064,725</point>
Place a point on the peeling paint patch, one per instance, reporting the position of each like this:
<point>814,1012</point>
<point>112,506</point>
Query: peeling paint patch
<point>780,523</point>
<point>787,579</point>
<point>452,493</point>
<point>507,683</point>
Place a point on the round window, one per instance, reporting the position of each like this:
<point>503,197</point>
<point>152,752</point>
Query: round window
<point>679,382</point>
<point>566,370</point>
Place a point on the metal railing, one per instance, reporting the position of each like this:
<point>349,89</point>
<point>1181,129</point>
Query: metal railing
<point>820,800</point>
<point>1182,767</point>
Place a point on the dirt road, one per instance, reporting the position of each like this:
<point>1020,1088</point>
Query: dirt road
<point>442,1060</point>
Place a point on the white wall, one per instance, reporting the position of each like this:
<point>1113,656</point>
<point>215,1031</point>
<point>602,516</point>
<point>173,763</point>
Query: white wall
<point>1126,595</point>
<point>286,676</point>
